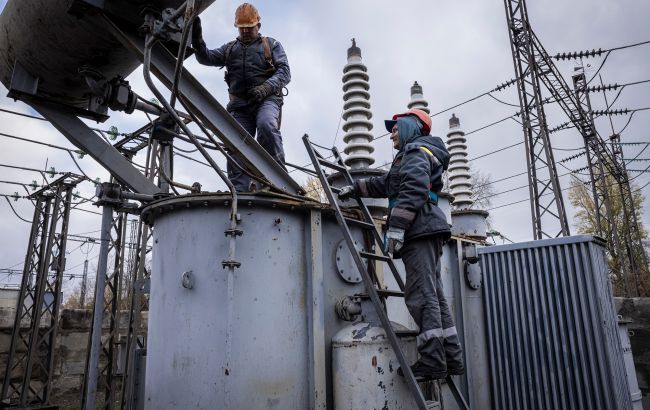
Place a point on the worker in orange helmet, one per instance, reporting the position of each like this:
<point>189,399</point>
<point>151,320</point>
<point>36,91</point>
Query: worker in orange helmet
<point>257,70</point>
<point>417,229</point>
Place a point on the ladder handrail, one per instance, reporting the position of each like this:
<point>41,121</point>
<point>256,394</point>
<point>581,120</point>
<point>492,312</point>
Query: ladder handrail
<point>368,217</point>
<point>416,392</point>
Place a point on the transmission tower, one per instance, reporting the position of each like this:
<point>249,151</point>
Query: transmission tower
<point>633,253</point>
<point>30,362</point>
<point>533,65</point>
<point>547,205</point>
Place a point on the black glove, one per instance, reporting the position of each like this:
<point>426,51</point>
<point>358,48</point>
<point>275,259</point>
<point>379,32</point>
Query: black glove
<point>197,33</point>
<point>260,92</point>
<point>347,192</point>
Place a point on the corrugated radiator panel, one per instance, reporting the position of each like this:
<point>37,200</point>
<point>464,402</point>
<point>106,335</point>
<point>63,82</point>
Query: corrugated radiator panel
<point>552,328</point>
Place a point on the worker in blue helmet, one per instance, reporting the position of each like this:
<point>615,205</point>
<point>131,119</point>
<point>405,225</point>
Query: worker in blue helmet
<point>257,70</point>
<point>417,229</point>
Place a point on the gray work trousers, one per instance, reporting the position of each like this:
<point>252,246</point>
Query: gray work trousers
<point>438,342</point>
<point>262,119</point>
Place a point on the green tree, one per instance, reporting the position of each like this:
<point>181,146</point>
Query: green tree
<point>585,222</point>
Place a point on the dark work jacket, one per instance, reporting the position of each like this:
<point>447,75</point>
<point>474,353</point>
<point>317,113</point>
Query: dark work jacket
<point>413,173</point>
<point>247,67</point>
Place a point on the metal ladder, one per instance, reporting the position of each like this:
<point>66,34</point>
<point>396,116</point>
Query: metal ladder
<point>374,293</point>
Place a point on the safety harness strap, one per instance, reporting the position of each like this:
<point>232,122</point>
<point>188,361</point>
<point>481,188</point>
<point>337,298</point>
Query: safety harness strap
<point>266,46</point>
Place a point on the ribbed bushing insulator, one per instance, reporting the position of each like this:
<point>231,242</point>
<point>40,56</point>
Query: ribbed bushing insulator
<point>356,112</point>
<point>460,180</point>
<point>417,99</point>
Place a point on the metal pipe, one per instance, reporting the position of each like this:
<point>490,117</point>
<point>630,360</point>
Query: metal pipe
<point>149,43</point>
<point>147,107</point>
<point>92,372</point>
<point>173,183</point>
<point>189,19</point>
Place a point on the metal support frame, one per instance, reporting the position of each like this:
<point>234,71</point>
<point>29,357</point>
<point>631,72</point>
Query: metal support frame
<point>546,201</point>
<point>606,224</point>
<point>633,253</point>
<point>316,314</point>
<point>30,363</point>
<point>135,339</point>
<point>603,160</point>
<point>101,356</point>
<point>88,141</point>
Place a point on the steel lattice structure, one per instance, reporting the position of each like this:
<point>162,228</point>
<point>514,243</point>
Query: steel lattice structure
<point>633,253</point>
<point>533,66</point>
<point>30,363</point>
<point>547,205</point>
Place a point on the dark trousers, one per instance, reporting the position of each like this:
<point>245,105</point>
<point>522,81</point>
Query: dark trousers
<point>264,120</point>
<point>438,342</point>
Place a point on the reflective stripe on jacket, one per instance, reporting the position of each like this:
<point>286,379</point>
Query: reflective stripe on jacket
<point>413,174</point>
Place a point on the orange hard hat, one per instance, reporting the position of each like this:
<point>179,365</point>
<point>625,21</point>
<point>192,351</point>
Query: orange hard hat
<point>422,116</point>
<point>246,15</point>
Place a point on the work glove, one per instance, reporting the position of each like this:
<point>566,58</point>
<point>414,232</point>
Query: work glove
<point>260,92</point>
<point>394,240</point>
<point>197,33</point>
<point>346,192</point>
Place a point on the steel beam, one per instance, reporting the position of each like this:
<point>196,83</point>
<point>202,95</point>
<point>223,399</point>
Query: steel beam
<point>92,361</point>
<point>88,141</point>
<point>215,117</point>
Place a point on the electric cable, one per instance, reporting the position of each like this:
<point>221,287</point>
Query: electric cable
<point>16,213</point>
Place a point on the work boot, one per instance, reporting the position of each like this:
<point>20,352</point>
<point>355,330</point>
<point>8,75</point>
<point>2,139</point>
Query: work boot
<point>423,372</point>
<point>454,356</point>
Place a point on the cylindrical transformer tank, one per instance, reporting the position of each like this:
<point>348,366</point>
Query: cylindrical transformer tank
<point>364,369</point>
<point>227,340</point>
<point>240,339</point>
<point>52,44</point>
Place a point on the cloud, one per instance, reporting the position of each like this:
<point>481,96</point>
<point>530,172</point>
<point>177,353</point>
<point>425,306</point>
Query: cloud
<point>455,50</point>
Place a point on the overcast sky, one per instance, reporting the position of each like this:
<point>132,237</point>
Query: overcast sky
<point>455,50</point>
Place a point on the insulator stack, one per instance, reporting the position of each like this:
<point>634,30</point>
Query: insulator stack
<point>417,99</point>
<point>356,112</point>
<point>460,180</point>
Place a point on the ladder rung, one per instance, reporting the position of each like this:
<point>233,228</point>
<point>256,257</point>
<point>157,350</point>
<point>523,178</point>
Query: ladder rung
<point>362,224</point>
<point>332,165</point>
<point>390,292</point>
<point>375,257</point>
<point>406,333</point>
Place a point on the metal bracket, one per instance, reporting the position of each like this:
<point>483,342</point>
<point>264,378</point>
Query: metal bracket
<point>233,232</point>
<point>109,194</point>
<point>22,82</point>
<point>230,264</point>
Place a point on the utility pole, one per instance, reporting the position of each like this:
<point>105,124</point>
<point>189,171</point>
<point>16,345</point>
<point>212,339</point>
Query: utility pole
<point>546,202</point>
<point>30,362</point>
<point>84,285</point>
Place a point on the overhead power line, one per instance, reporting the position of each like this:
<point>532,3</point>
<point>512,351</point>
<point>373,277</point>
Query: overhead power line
<point>574,55</point>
